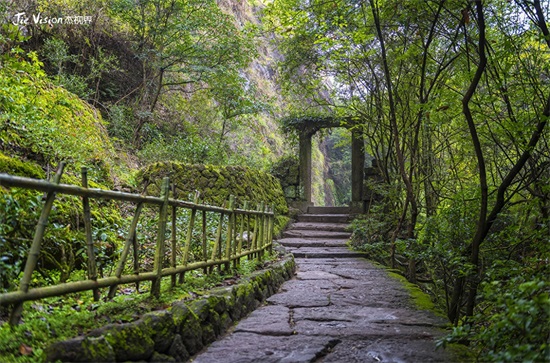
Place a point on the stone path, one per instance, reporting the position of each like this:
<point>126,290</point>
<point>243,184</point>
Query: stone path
<point>338,308</point>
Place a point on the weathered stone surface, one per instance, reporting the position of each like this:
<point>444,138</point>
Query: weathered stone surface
<point>178,350</point>
<point>337,309</point>
<point>271,320</point>
<point>188,326</point>
<point>81,349</point>
<point>315,275</point>
<point>315,234</point>
<point>317,242</point>
<point>300,294</point>
<point>254,348</point>
<point>388,350</point>
<point>160,358</point>
<point>130,341</point>
<point>163,328</point>
<point>311,226</point>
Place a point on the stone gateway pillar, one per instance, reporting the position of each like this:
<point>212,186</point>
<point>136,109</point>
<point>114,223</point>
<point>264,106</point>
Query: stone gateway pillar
<point>305,165</point>
<point>357,171</point>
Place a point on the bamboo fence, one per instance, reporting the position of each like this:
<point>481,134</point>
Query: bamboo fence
<point>247,233</point>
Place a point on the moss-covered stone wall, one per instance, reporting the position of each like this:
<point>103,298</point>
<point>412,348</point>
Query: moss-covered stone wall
<point>176,334</point>
<point>216,184</point>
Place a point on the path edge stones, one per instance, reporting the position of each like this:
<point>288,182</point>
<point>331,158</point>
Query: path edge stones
<point>176,334</point>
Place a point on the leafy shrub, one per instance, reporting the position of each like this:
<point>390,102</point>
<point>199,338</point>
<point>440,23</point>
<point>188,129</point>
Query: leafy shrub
<point>187,149</point>
<point>513,325</point>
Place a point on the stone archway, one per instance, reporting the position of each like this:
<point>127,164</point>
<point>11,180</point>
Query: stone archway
<point>357,162</point>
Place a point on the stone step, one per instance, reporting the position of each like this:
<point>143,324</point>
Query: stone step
<point>301,242</point>
<point>328,210</point>
<point>312,226</point>
<point>296,233</point>
<point>323,252</point>
<point>324,218</point>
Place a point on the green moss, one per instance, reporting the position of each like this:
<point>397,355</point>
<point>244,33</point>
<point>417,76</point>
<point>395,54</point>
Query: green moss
<point>217,183</point>
<point>130,341</point>
<point>21,168</point>
<point>420,298</point>
<point>97,349</point>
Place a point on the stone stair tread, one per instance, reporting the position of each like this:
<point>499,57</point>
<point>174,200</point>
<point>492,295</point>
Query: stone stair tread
<point>324,218</point>
<point>300,242</point>
<point>327,252</point>
<point>328,210</point>
<point>316,234</point>
<point>337,227</point>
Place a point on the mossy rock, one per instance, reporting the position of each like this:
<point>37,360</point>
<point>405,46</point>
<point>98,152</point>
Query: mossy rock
<point>162,325</point>
<point>217,183</point>
<point>18,167</point>
<point>81,349</point>
<point>131,341</point>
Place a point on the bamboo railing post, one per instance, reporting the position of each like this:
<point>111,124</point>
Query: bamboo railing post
<point>254,242</point>
<point>230,228</point>
<point>234,240</point>
<point>173,237</point>
<point>241,229</point>
<point>124,255</point>
<point>217,243</point>
<point>136,259</point>
<point>189,236</point>
<point>271,225</point>
<point>36,246</point>
<point>159,252</point>
<point>263,230</point>
<point>92,267</point>
<point>248,231</point>
<point>204,247</point>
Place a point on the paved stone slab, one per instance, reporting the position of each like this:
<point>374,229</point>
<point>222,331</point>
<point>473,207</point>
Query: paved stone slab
<point>338,252</point>
<point>271,320</point>
<point>254,348</point>
<point>315,275</point>
<point>324,218</point>
<point>338,308</point>
<point>386,350</point>
<point>301,242</point>
<point>368,315</point>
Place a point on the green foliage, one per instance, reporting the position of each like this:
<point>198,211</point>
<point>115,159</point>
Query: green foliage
<point>46,121</point>
<point>513,325</point>
<point>191,149</point>
<point>63,247</point>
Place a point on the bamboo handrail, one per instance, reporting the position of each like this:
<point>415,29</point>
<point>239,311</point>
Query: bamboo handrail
<point>236,247</point>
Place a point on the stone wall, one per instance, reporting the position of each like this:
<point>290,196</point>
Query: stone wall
<point>217,183</point>
<point>287,170</point>
<point>176,334</point>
